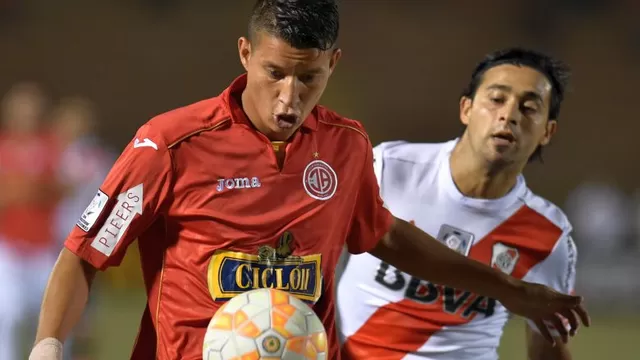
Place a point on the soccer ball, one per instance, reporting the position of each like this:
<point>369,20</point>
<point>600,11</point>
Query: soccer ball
<point>265,324</point>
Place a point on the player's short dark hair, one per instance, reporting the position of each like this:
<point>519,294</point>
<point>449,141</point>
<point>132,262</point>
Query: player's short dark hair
<point>557,72</point>
<point>303,24</point>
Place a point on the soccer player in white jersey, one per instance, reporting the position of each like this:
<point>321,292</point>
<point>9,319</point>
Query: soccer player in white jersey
<point>471,195</point>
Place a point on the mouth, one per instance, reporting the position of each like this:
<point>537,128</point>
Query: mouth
<point>286,121</point>
<point>503,138</point>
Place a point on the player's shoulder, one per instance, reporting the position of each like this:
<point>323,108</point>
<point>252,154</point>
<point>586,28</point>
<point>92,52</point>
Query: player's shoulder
<point>178,124</point>
<point>550,211</point>
<point>559,267</point>
<point>409,152</point>
<point>333,121</point>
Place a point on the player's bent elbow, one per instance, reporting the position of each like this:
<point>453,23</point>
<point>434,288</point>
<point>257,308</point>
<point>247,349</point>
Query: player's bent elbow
<point>393,247</point>
<point>385,250</point>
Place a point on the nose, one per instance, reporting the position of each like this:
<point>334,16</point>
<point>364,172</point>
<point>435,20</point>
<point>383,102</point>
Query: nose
<point>289,92</point>
<point>510,112</point>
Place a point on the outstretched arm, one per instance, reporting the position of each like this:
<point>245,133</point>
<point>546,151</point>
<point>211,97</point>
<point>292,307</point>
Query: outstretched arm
<point>415,252</point>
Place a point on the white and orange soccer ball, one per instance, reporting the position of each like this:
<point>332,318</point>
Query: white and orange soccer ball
<point>265,324</point>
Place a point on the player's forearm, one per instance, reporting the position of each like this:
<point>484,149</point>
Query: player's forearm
<point>413,251</point>
<point>65,297</point>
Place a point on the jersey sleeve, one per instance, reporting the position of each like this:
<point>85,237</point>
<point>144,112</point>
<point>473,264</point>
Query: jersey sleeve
<point>126,204</point>
<point>378,153</point>
<point>371,220</point>
<point>558,270</point>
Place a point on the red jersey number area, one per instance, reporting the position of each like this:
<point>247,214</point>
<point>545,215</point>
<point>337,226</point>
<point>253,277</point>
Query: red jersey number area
<point>215,215</point>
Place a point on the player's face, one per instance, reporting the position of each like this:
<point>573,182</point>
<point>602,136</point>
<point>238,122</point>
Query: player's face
<point>508,117</point>
<point>283,83</point>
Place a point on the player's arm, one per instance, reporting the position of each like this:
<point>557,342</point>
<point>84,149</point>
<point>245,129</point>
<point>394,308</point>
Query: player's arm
<point>129,200</point>
<point>558,271</point>
<point>63,304</point>
<point>413,251</point>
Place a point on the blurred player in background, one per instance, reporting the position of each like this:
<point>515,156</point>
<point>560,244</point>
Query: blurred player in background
<point>84,160</point>
<point>28,196</point>
<point>471,195</point>
<point>83,164</point>
<point>247,189</point>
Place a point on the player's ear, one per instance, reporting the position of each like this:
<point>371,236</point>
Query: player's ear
<point>244,50</point>
<point>550,130</point>
<point>465,109</point>
<point>335,56</point>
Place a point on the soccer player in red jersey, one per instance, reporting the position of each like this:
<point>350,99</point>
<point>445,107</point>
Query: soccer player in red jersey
<point>257,187</point>
<point>29,193</point>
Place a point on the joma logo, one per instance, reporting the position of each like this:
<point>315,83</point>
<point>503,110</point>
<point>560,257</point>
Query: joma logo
<point>238,183</point>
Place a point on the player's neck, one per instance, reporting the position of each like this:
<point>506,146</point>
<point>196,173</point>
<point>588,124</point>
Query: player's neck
<point>251,112</point>
<point>475,179</point>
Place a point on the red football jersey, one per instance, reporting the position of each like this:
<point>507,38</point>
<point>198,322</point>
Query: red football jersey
<point>215,216</point>
<point>28,161</point>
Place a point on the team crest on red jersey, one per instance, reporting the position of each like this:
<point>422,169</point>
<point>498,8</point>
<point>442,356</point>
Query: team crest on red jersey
<point>320,180</point>
<point>504,258</point>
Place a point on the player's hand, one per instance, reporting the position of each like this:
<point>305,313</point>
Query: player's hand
<point>545,306</point>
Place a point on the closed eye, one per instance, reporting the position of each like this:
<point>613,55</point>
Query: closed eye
<point>307,78</point>
<point>529,108</point>
<point>276,74</point>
